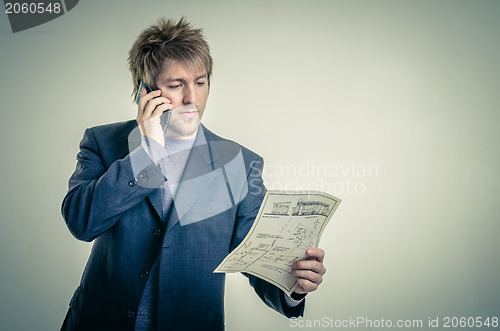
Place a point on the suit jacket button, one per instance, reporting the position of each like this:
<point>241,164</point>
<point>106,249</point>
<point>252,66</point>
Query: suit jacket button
<point>131,183</point>
<point>131,314</point>
<point>144,275</point>
<point>157,232</point>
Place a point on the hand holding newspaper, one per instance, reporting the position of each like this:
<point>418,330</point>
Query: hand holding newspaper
<point>285,227</point>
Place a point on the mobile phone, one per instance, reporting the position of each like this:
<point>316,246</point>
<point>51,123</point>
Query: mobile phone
<point>165,117</point>
<point>148,90</point>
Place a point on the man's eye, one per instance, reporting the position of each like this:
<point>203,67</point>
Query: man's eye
<point>174,86</point>
<point>200,83</point>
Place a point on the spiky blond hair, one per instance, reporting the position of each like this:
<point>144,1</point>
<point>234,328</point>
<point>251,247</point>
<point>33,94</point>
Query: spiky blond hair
<point>163,43</point>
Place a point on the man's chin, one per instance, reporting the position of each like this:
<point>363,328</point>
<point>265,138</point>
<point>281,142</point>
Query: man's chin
<point>184,131</point>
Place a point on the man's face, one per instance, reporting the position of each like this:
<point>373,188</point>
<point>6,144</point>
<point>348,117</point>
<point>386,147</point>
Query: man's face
<point>183,86</point>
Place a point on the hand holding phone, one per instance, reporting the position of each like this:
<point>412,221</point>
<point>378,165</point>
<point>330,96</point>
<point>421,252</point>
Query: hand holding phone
<point>147,113</point>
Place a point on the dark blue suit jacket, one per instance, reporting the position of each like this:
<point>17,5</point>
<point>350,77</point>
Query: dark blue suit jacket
<point>117,205</point>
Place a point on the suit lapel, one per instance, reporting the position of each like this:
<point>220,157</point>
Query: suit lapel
<point>155,198</point>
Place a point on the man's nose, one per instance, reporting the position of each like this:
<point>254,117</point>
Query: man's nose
<point>189,95</point>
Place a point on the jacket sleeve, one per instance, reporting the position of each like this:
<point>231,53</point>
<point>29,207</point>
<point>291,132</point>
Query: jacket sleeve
<point>274,297</point>
<point>248,209</point>
<point>98,195</point>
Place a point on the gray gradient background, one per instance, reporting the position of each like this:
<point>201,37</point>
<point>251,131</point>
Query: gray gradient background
<point>408,86</point>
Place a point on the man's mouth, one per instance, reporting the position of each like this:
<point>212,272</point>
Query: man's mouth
<point>188,111</point>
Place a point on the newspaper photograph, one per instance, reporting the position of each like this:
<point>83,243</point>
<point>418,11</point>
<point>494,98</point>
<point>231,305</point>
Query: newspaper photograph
<point>286,226</point>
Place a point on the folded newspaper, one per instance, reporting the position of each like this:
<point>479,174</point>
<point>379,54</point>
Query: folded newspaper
<point>286,226</point>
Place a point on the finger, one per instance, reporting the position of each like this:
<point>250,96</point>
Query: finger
<point>146,98</point>
<point>317,253</point>
<point>160,109</point>
<point>306,285</point>
<point>309,275</point>
<point>143,101</point>
<point>153,104</point>
<point>315,266</point>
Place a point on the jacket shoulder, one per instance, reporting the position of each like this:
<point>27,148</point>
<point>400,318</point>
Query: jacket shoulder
<point>113,130</point>
<point>111,140</point>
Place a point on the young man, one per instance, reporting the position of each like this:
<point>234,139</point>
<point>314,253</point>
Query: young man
<point>165,200</point>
